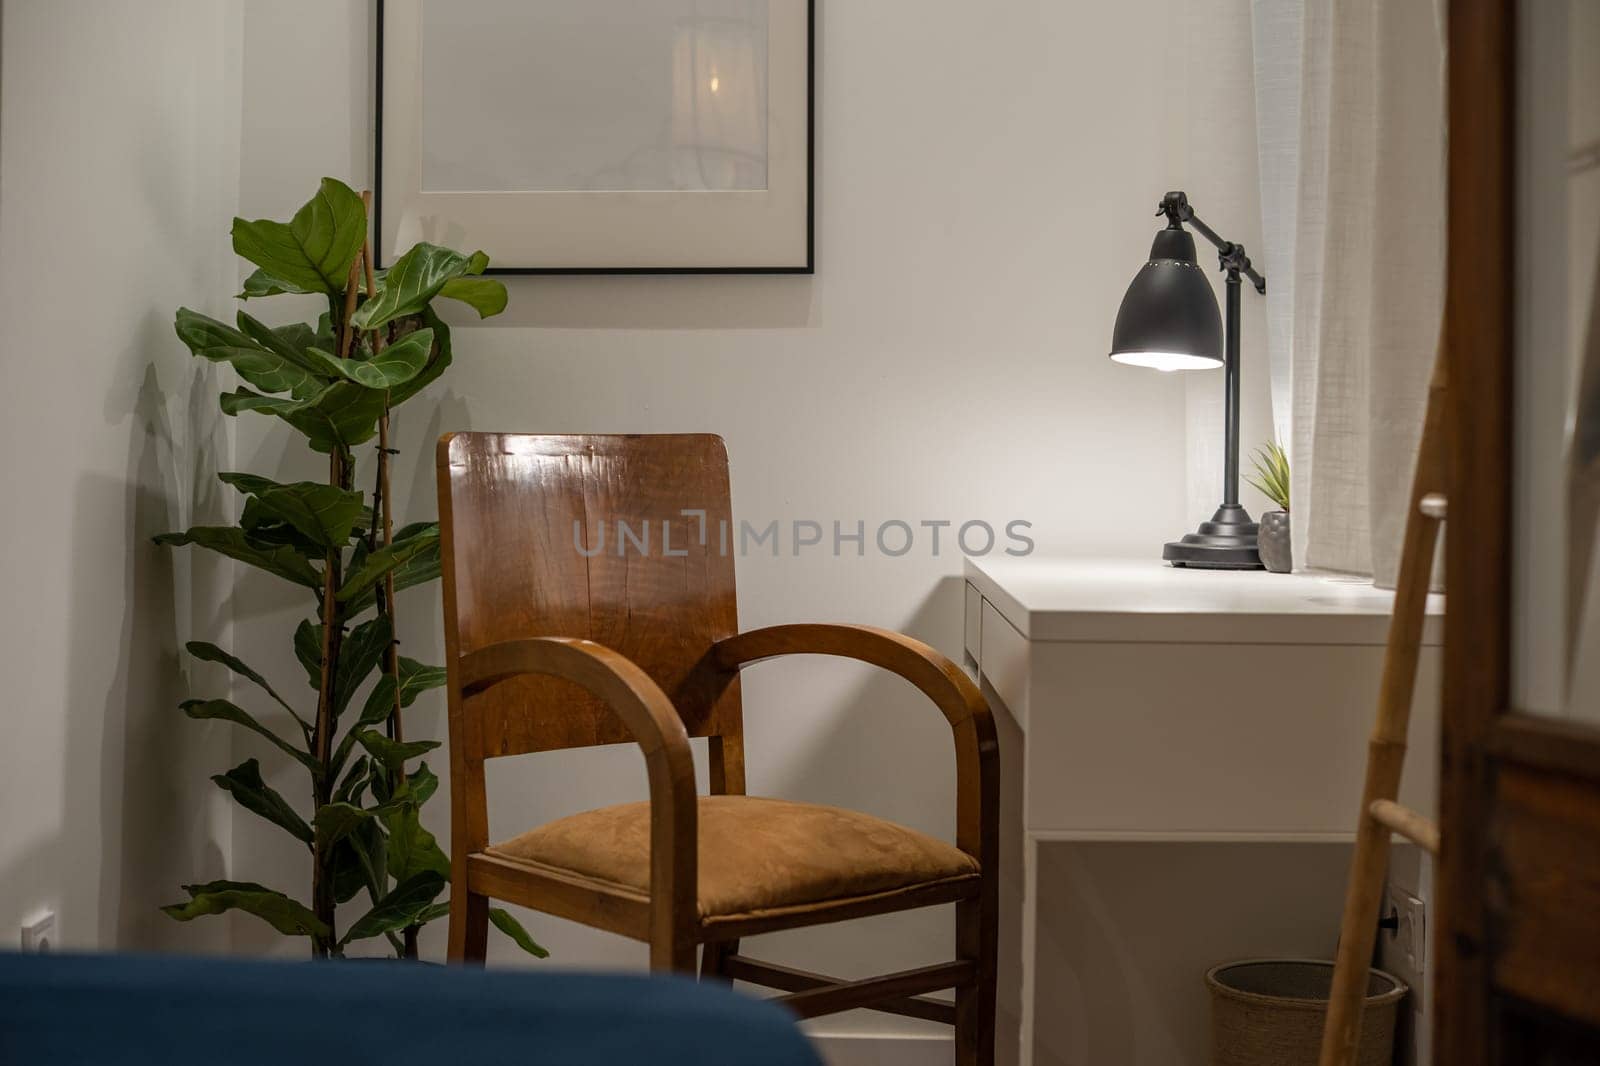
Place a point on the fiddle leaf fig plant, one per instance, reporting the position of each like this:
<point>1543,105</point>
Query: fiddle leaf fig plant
<point>336,383</point>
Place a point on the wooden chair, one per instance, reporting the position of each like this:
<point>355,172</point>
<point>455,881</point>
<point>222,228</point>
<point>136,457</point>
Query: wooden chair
<point>559,635</point>
<point>1380,815</point>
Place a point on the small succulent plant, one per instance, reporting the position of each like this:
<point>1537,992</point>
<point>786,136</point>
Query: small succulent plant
<point>1272,473</point>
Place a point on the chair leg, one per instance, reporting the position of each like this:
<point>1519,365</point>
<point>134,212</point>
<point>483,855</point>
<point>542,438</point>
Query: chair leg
<point>976,939</point>
<point>714,960</point>
<point>675,954</point>
<point>469,926</point>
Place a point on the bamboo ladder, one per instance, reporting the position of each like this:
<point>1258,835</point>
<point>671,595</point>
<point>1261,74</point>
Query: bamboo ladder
<point>1380,815</point>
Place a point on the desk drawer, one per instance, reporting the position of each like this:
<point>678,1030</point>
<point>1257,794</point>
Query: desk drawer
<point>973,632</point>
<point>1004,661</point>
<point>1210,739</point>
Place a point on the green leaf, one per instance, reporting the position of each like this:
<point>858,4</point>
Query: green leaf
<point>412,849</point>
<point>261,366</point>
<point>434,912</point>
<point>354,782</point>
<point>241,400</point>
<point>325,514</point>
<point>296,336</point>
<point>360,652</point>
<point>237,544</point>
<point>400,908</point>
<point>308,649</point>
<point>314,250</point>
<point>417,570</point>
<point>421,784</point>
<point>415,529</point>
<point>205,651</point>
<point>413,280</point>
<point>395,365</point>
<point>226,711</point>
<point>484,295</point>
<point>364,578</point>
<point>380,702</point>
<point>478,262</point>
<point>343,414</point>
<point>289,343</point>
<point>268,528</point>
<point>379,781</point>
<point>415,679</point>
<point>287,916</point>
<point>260,283</point>
<point>253,794</point>
<point>393,754</point>
<point>438,360</point>
<point>370,848</point>
<point>249,484</point>
<point>335,821</point>
<point>350,872</point>
<point>422,567</point>
<point>512,928</point>
<point>324,334</point>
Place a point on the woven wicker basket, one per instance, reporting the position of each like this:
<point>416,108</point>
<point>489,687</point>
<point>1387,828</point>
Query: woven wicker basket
<point>1269,1012</point>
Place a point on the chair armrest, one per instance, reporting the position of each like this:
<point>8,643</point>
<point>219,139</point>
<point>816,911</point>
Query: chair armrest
<point>645,710</point>
<point>655,725</point>
<point>942,681</point>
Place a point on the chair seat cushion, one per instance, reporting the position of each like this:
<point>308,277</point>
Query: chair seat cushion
<point>757,856</point>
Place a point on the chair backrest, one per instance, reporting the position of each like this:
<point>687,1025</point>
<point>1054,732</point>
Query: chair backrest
<point>623,540</point>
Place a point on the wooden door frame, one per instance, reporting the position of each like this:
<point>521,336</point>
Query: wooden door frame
<point>1513,786</point>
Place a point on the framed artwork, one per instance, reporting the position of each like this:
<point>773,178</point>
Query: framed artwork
<point>598,136</point>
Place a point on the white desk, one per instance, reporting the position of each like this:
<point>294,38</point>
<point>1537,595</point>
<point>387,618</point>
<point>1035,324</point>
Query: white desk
<point>1182,754</point>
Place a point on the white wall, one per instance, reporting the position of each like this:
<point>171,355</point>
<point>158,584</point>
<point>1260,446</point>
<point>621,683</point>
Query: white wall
<point>118,172</point>
<point>986,185</point>
<point>985,189</point>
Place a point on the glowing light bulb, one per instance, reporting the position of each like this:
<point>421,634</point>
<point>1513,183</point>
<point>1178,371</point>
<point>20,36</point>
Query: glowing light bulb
<point>714,83</point>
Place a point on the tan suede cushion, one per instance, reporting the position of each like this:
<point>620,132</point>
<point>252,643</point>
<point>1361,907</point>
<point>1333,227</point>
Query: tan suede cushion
<point>756,855</point>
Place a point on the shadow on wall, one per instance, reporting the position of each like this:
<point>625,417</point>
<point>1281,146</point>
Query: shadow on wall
<point>449,415</point>
<point>135,790</point>
<point>164,760</point>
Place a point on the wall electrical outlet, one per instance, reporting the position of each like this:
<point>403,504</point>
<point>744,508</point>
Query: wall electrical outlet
<point>1410,937</point>
<point>40,933</point>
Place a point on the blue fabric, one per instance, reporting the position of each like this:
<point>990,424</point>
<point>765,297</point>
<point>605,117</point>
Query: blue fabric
<point>133,1010</point>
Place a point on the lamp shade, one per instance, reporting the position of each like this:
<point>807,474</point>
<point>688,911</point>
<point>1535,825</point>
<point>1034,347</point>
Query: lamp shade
<point>1169,318</point>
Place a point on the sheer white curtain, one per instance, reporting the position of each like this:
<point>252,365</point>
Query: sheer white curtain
<point>1350,142</point>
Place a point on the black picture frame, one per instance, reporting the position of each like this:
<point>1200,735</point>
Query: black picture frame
<point>809,267</point>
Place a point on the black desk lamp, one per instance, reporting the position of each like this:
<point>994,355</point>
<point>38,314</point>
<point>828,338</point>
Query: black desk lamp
<point>1168,321</point>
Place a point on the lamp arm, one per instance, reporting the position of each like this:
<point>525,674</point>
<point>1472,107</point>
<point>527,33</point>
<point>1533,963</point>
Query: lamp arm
<point>1175,205</point>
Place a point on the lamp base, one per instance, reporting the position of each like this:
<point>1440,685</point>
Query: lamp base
<point>1227,542</point>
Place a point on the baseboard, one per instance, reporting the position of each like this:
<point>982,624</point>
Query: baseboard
<point>870,1049</point>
